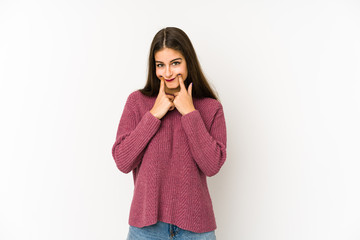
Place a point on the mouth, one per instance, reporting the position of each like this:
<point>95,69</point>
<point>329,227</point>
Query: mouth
<point>169,80</point>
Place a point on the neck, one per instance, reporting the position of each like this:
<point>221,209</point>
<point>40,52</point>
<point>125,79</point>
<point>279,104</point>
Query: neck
<point>172,90</point>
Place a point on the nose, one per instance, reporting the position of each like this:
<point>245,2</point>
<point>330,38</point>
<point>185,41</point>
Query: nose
<point>168,72</point>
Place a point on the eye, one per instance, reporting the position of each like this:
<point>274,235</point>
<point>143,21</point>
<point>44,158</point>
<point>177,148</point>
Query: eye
<point>159,65</point>
<point>176,63</point>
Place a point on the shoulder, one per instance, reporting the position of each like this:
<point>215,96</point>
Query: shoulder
<point>209,108</point>
<point>208,104</point>
<point>136,97</point>
<point>131,100</point>
<point>139,102</point>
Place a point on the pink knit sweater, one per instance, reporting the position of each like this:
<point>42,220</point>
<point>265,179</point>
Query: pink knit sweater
<point>170,159</point>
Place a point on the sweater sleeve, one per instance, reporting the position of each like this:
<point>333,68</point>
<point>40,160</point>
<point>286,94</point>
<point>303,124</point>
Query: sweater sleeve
<point>132,137</point>
<point>208,148</point>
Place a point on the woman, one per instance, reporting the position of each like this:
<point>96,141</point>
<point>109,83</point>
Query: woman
<point>171,135</point>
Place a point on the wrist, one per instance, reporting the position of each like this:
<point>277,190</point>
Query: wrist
<point>154,114</point>
<point>191,110</point>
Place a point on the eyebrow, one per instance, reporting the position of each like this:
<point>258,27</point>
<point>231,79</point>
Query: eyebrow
<point>171,60</point>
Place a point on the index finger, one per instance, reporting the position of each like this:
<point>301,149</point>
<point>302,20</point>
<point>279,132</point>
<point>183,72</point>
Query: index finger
<point>162,87</point>
<point>181,82</point>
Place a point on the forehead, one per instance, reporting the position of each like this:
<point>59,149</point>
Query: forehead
<point>167,54</point>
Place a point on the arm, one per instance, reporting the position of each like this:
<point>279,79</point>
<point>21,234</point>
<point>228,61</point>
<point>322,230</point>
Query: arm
<point>133,137</point>
<point>208,148</point>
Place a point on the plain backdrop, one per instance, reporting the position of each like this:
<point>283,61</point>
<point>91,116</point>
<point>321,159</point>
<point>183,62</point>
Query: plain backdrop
<point>287,74</point>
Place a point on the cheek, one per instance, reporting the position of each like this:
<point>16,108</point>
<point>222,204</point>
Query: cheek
<point>184,71</point>
<point>158,73</point>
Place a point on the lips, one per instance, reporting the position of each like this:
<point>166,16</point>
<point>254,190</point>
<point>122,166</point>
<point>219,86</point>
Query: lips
<point>169,80</point>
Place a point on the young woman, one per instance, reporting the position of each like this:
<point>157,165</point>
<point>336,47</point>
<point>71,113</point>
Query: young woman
<point>172,136</point>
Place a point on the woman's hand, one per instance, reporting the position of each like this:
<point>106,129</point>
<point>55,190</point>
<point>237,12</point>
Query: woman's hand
<point>163,102</point>
<point>183,99</point>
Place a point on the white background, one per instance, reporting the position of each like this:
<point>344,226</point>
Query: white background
<point>287,73</point>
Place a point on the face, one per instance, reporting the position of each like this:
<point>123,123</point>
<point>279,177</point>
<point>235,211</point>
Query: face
<point>169,63</point>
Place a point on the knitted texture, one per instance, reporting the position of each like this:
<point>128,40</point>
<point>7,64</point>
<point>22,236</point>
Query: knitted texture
<point>170,159</point>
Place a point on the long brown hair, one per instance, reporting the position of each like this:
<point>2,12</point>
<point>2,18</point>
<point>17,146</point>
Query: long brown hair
<point>175,38</point>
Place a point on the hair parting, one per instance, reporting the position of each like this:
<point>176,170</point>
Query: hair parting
<point>164,41</point>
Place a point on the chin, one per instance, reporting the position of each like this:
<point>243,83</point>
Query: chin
<point>172,86</point>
